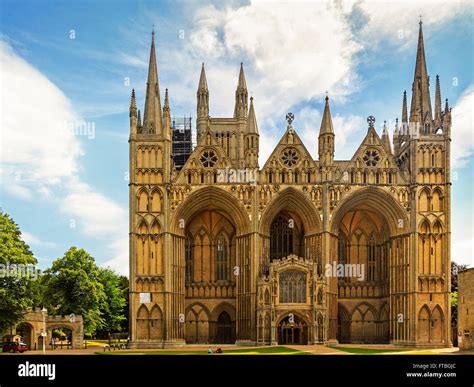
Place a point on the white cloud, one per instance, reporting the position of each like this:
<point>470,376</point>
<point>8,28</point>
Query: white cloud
<point>462,131</point>
<point>36,145</point>
<point>41,156</point>
<point>291,57</point>
<point>395,20</point>
<point>33,240</point>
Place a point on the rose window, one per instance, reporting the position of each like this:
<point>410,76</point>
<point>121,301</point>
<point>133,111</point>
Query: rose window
<point>208,158</point>
<point>371,158</point>
<point>290,157</point>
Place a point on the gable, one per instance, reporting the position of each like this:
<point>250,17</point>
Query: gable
<point>290,152</point>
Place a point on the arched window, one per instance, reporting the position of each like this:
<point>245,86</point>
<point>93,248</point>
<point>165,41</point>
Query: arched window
<point>221,259</point>
<point>292,287</point>
<point>371,258</point>
<point>281,239</point>
<point>342,248</point>
<point>189,259</point>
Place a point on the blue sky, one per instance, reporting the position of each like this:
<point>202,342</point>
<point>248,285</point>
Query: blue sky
<point>75,63</point>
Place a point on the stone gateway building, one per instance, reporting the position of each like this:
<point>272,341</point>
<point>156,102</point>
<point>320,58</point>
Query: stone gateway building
<point>297,251</point>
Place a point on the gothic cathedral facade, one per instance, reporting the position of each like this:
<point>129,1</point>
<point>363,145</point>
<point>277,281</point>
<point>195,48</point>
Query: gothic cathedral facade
<point>225,251</point>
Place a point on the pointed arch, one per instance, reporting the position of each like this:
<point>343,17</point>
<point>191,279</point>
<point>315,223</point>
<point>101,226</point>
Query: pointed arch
<point>142,227</point>
<point>423,324</point>
<point>343,324</point>
<point>437,321</point>
<point>155,227</point>
<point>142,200</point>
<point>376,199</point>
<point>156,323</point>
<point>142,323</point>
<point>156,200</point>
<point>210,197</point>
<point>291,199</point>
<point>424,199</point>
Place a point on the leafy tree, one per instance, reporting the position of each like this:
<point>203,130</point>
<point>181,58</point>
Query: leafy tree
<point>116,300</point>
<point>455,269</point>
<point>73,285</point>
<point>17,288</point>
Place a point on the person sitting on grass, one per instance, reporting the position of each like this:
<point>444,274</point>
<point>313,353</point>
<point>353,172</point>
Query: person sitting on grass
<point>209,350</point>
<point>218,350</point>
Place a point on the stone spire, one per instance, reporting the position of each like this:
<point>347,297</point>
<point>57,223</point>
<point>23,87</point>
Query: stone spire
<point>420,103</point>
<point>404,108</point>
<point>326,137</point>
<point>241,96</point>
<point>386,138</point>
<point>326,123</point>
<point>133,113</point>
<point>139,122</point>
<point>437,99</point>
<point>252,127</point>
<point>133,104</point>
<point>202,96</point>
<point>167,117</point>
<point>152,117</point>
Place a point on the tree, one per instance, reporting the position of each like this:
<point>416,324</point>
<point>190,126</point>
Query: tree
<point>116,300</point>
<point>73,285</point>
<point>17,274</point>
<point>455,269</point>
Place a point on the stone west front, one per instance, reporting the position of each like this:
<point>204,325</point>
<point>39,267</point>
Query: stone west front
<point>303,251</point>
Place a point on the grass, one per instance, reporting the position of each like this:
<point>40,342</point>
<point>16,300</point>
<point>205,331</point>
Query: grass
<point>368,351</point>
<point>244,351</point>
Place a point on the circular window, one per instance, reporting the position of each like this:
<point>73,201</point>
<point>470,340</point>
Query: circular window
<point>208,158</point>
<point>371,158</point>
<point>290,157</point>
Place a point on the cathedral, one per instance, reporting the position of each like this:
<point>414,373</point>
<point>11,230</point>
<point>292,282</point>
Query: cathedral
<point>228,249</point>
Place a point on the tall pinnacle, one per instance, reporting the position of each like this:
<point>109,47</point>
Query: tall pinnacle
<point>404,108</point>
<point>252,120</point>
<point>202,79</point>
<point>420,103</point>
<point>166,107</point>
<point>202,97</point>
<point>133,104</point>
<point>152,115</point>
<point>241,96</point>
<point>326,123</point>
<point>437,98</point>
<point>242,83</point>
<point>386,138</point>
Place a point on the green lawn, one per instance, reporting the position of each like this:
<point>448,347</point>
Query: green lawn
<point>244,351</point>
<point>369,351</point>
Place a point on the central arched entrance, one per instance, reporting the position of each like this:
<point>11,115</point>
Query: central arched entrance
<point>292,330</point>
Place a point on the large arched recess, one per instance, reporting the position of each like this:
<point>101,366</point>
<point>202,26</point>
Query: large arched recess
<point>375,199</point>
<point>293,201</point>
<point>371,229</point>
<point>210,198</point>
<point>214,200</point>
<point>290,204</point>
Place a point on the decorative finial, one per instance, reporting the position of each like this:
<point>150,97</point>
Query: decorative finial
<point>371,121</point>
<point>420,19</point>
<point>290,118</point>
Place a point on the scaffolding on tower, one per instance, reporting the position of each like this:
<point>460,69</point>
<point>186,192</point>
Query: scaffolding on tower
<point>183,141</point>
